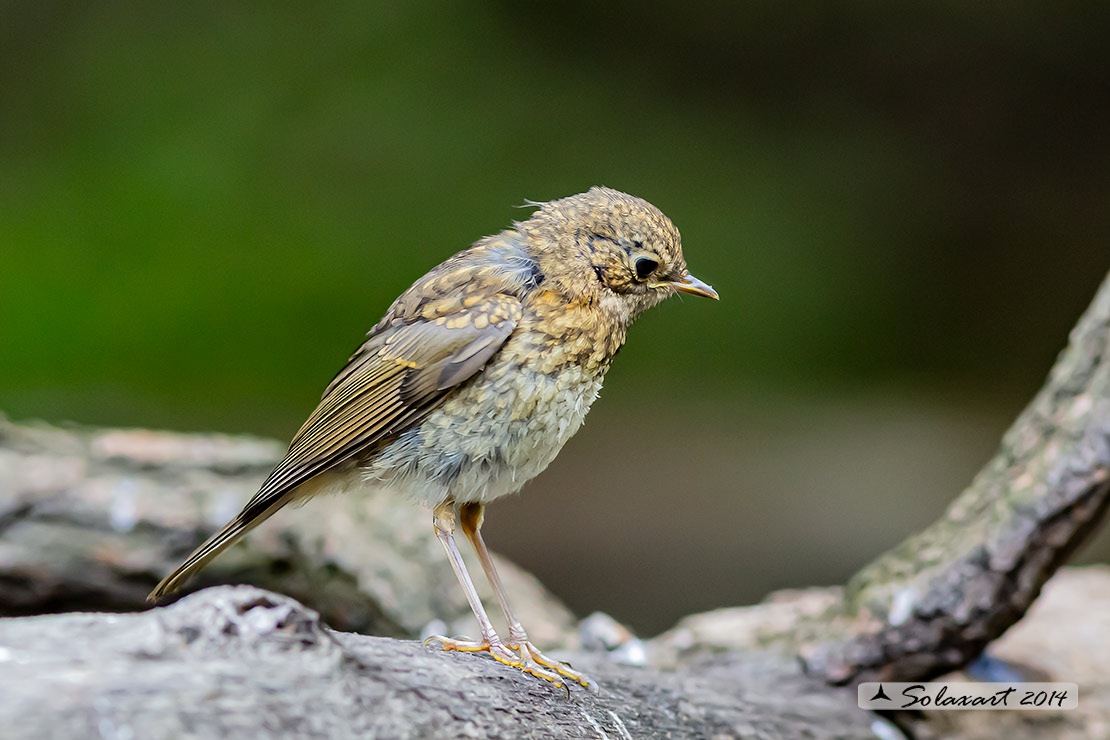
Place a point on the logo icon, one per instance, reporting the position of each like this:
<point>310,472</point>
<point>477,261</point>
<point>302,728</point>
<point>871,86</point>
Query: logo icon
<point>880,694</point>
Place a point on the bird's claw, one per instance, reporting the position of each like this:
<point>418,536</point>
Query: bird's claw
<point>531,661</point>
<point>532,655</point>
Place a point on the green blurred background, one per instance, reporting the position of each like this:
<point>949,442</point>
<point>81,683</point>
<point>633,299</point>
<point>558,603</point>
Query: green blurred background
<point>904,207</point>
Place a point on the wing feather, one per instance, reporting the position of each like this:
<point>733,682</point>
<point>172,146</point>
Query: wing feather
<point>400,372</point>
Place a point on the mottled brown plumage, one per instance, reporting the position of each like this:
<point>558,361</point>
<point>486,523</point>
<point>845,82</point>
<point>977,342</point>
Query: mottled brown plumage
<point>477,375</point>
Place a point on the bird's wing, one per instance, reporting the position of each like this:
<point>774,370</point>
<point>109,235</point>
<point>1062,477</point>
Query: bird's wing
<point>400,373</point>
<point>407,366</point>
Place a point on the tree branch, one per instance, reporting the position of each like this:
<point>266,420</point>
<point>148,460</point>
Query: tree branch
<point>934,602</point>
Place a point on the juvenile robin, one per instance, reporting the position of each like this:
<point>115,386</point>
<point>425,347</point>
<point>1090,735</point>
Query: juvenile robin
<point>475,378</point>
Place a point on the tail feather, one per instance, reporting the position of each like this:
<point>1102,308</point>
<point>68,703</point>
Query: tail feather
<point>228,535</point>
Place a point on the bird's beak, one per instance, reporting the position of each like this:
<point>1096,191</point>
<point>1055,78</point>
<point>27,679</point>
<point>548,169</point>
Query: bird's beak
<point>693,286</point>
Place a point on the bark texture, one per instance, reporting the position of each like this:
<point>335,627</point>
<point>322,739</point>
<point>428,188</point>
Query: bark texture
<point>239,662</point>
<point>1064,637</point>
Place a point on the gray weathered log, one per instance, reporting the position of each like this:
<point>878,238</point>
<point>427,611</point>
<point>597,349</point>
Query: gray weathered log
<point>239,662</point>
<point>93,518</point>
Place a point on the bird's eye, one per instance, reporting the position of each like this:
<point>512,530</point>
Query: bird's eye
<point>644,267</point>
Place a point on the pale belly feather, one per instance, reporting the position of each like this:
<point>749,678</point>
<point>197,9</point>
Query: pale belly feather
<point>488,439</point>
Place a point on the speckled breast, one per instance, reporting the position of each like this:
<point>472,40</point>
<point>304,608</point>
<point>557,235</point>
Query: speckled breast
<point>506,425</point>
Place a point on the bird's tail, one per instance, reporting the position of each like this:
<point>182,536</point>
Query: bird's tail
<point>228,535</point>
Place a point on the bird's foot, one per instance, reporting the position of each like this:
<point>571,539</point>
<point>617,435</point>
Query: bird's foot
<point>503,654</point>
<point>531,655</point>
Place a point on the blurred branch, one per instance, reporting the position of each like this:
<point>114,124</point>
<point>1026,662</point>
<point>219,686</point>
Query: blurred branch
<point>92,518</point>
<point>935,601</point>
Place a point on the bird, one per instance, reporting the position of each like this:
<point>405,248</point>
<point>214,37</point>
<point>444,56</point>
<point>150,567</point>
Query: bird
<point>474,380</point>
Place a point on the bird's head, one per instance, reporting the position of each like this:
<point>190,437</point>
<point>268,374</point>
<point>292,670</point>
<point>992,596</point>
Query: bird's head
<point>611,246</point>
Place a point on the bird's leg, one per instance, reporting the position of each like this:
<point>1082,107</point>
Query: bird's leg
<point>444,518</point>
<point>470,519</point>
